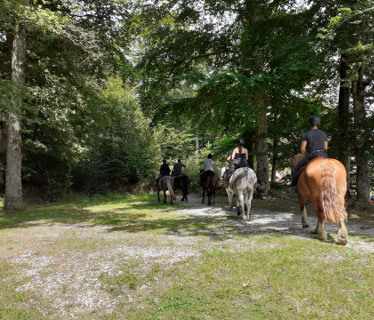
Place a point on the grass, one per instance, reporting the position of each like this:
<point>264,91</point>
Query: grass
<point>287,282</point>
<point>230,272</point>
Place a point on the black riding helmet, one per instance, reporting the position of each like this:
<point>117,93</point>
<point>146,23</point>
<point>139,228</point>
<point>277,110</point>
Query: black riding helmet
<point>241,142</point>
<point>314,120</point>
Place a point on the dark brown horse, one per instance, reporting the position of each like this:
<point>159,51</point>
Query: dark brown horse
<point>324,183</point>
<point>166,184</point>
<point>209,185</point>
<point>181,181</point>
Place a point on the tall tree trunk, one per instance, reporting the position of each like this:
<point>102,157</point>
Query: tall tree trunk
<point>343,142</point>
<point>263,183</point>
<point>363,171</point>
<point>3,146</point>
<point>275,158</point>
<point>13,182</point>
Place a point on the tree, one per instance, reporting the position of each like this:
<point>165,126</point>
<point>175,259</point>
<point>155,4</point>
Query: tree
<point>350,34</point>
<point>13,183</point>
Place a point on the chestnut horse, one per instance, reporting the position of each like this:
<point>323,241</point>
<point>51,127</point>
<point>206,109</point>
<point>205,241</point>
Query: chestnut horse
<point>324,183</point>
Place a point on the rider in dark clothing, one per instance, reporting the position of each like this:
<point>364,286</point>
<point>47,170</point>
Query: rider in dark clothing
<point>240,156</point>
<point>314,145</point>
<point>164,171</point>
<point>177,169</point>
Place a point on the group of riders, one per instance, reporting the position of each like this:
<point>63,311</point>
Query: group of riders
<point>314,145</point>
<point>235,159</point>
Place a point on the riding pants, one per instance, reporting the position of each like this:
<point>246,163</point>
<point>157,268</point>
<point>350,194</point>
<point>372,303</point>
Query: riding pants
<point>304,162</point>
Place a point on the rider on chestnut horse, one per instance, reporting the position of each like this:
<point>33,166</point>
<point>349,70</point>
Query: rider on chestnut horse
<point>314,145</point>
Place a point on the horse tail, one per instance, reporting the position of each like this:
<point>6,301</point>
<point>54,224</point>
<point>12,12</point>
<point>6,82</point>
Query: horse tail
<point>170,188</point>
<point>333,209</point>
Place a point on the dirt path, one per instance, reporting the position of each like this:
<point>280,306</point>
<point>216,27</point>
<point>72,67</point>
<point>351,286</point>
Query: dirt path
<point>283,222</point>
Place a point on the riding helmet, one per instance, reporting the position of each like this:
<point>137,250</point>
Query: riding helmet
<point>314,120</point>
<point>241,142</point>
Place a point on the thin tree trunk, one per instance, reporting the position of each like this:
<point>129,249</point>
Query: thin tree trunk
<point>3,146</point>
<point>13,182</point>
<point>343,142</point>
<point>275,158</point>
<point>263,183</point>
<point>363,171</point>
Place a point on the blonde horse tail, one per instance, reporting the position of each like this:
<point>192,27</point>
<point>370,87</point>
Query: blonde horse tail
<point>170,188</point>
<point>333,209</point>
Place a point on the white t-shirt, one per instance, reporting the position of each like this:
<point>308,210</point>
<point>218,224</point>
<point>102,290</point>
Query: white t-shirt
<point>209,165</point>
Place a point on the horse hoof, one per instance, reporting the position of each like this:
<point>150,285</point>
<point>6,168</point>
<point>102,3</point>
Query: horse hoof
<point>305,226</point>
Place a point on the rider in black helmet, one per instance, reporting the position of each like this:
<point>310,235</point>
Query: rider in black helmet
<point>164,171</point>
<point>313,145</point>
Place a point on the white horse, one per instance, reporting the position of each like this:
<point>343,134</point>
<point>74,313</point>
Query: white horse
<point>242,183</point>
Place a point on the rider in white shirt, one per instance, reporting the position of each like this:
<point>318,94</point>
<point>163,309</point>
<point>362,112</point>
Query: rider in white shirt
<point>208,166</point>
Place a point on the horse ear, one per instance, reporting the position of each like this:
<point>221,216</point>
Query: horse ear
<point>291,155</point>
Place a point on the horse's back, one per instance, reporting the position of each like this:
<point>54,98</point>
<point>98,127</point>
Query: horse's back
<point>164,182</point>
<point>310,179</point>
<point>244,178</point>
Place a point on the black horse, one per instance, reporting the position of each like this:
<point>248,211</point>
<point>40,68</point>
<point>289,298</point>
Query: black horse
<point>181,181</point>
<point>208,182</point>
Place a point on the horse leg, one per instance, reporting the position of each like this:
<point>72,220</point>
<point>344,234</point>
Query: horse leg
<point>230,194</point>
<point>342,233</point>
<point>209,192</point>
<point>158,195</point>
<point>237,206</point>
<point>321,228</point>
<point>202,201</point>
<point>164,196</point>
<point>249,203</point>
<point>304,217</point>
<point>241,204</point>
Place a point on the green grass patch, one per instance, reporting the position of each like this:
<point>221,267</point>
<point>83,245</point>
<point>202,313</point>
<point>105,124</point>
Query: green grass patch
<point>111,210</point>
<point>12,303</point>
<point>300,280</point>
